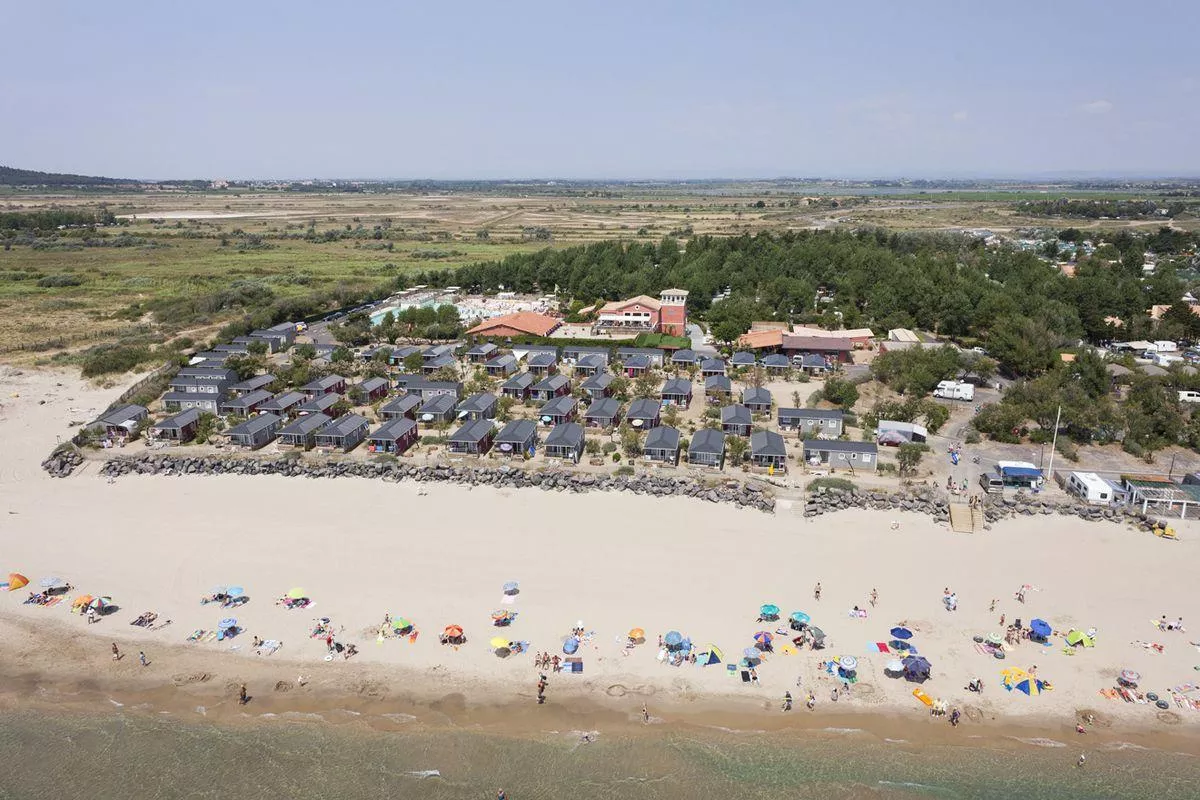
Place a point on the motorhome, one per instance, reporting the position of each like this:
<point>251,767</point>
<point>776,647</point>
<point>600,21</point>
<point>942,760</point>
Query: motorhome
<point>955,390</point>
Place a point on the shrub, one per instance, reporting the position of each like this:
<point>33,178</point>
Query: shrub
<point>625,469</point>
<point>831,483</point>
<point>972,436</point>
<point>56,281</point>
<point>106,359</point>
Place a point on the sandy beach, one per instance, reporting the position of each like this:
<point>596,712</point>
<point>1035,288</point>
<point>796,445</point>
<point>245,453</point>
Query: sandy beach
<point>439,554</point>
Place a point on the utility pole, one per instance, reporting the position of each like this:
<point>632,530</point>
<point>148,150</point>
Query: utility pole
<point>1054,442</point>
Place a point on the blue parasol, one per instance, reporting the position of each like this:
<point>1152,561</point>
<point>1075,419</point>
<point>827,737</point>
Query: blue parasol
<point>570,646</point>
<point>1040,628</point>
<point>512,587</point>
<point>673,639</point>
<point>226,624</point>
<point>752,654</point>
<point>769,610</point>
<point>235,591</point>
<point>800,617</point>
<point>901,633</point>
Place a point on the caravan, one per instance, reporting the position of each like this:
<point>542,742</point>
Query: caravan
<point>955,390</point>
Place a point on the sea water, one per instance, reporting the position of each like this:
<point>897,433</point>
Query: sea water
<point>122,755</point>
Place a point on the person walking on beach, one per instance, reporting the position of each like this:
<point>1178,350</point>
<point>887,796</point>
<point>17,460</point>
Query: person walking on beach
<point>811,702</point>
<point>992,607</point>
<point>500,795</point>
<point>787,701</point>
<point>91,615</point>
<point>874,597</point>
<point>541,690</point>
<point>142,658</point>
<point>817,591</point>
<point>116,651</point>
<point>1082,759</point>
<point>645,714</point>
<point>242,696</point>
<point>954,716</point>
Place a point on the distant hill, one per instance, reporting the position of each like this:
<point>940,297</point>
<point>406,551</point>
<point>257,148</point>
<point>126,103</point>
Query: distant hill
<point>10,176</point>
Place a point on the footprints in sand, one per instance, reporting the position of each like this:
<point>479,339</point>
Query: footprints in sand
<point>196,677</point>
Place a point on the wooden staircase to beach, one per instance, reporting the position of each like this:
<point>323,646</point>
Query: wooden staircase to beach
<point>962,518</point>
<point>977,519</point>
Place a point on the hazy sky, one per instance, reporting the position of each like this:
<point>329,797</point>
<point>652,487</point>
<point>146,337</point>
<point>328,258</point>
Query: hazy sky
<point>402,89</point>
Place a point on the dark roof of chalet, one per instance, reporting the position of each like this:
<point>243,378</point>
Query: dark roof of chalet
<point>736,414</point>
<point>482,349</point>
<point>392,430</point>
<point>207,398</point>
<point>209,372</point>
<point>718,382</point>
<point>473,431</point>
<point>522,380</point>
<point>641,351</point>
<point>712,364</point>
<point>193,381</point>
<point>532,349</point>
<point>811,413</point>
<point>517,431</point>
<point>303,426</point>
<point>604,408</point>
<point>638,361</point>
<point>323,384</point>
<point>439,404</point>
<point>418,383</point>
<point>252,383</point>
<point>344,425</point>
<point>664,437</point>
<point>404,351</point>
<point>592,360</point>
<point>580,352</point>
<point>180,420</point>
<point>600,380</point>
<point>812,360</point>
<point>320,403</point>
<point>325,349</point>
<point>402,404</point>
<point>776,360</point>
<point>743,358</point>
<point>767,443</point>
<point>566,434</point>
<point>820,344</point>
<point>478,402</point>
<point>559,406</point>
<point>676,386</point>
<point>502,361</point>
<point>643,408</point>
<point>541,359</point>
<point>444,360</point>
<point>707,440</point>
<point>268,333</point>
<point>551,383</point>
<point>283,401</point>
<point>437,351</point>
<point>284,327</point>
<point>238,348</point>
<point>212,358</point>
<point>684,356</point>
<point>255,424</point>
<point>371,384</point>
<point>757,395</point>
<point>247,400</point>
<point>838,444</point>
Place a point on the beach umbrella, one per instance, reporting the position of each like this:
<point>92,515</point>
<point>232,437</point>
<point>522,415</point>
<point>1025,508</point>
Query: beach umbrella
<point>50,583</point>
<point>1039,628</point>
<point>235,591</point>
<point>901,633</point>
<point>763,638</point>
<point>849,663</point>
<point>512,587</point>
<point>769,611</point>
<point>916,668</point>
<point>752,654</point>
<point>16,580</point>
<point>800,618</point>
<point>1130,676</point>
<point>82,602</point>
<point>571,646</point>
<point>895,666</point>
<point>498,642</point>
<point>903,647</point>
<point>227,623</point>
<point>673,639</point>
<point>637,634</point>
<point>1030,686</point>
<point>101,603</point>
<point>453,631</point>
<point>994,638</point>
<point>296,593</point>
<point>401,623</point>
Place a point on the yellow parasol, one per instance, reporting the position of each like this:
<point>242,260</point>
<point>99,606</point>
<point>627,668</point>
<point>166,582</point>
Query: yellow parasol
<point>637,634</point>
<point>499,642</point>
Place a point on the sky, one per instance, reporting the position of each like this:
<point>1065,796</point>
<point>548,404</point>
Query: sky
<point>613,90</point>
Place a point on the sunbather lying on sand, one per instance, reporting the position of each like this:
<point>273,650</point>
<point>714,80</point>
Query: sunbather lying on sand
<point>145,620</point>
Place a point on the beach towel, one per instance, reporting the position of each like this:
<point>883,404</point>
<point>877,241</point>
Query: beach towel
<point>924,698</point>
<point>1153,646</point>
<point>197,635</point>
<point>878,647</point>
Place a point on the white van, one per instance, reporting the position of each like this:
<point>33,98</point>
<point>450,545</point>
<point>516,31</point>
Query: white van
<point>1186,396</point>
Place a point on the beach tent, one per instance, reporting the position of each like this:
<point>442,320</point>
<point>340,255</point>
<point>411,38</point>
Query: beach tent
<point>715,656</point>
<point>1077,638</point>
<point>16,580</point>
<point>916,669</point>
<point>1039,628</point>
<point>401,624</point>
<point>901,633</point>
<point>296,593</point>
<point>769,611</point>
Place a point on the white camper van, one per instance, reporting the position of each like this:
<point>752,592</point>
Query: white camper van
<point>955,390</point>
